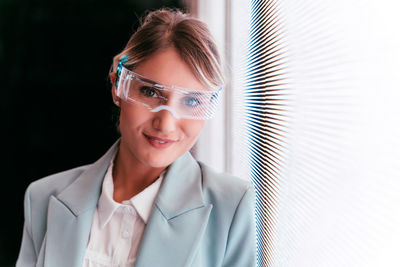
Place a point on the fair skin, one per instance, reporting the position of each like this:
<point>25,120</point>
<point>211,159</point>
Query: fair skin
<point>141,159</point>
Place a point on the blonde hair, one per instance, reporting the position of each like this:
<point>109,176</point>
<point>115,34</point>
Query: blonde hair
<point>164,28</point>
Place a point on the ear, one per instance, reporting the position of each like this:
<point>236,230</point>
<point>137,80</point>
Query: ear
<point>112,76</point>
<point>116,99</point>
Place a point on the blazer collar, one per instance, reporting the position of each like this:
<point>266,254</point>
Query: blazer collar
<point>83,194</point>
<point>182,182</point>
<point>181,189</point>
<point>178,219</point>
<point>70,215</point>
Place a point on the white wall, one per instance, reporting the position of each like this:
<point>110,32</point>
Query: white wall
<point>223,143</point>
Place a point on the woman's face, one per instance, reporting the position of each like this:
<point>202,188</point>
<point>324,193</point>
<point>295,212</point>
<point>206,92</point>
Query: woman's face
<point>156,139</point>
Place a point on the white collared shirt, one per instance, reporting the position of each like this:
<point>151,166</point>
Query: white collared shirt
<point>117,228</point>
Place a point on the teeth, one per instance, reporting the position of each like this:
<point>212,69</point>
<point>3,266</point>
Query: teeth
<point>158,141</point>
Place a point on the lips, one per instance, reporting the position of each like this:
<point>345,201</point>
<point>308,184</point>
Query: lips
<point>158,142</point>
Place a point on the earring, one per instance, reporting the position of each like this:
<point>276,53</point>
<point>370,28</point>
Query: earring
<point>116,102</point>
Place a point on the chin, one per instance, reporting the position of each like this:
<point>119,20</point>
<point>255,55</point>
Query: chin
<point>156,160</point>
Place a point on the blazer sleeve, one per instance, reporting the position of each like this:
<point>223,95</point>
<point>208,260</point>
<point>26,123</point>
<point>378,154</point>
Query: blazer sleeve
<point>241,244</point>
<point>27,255</point>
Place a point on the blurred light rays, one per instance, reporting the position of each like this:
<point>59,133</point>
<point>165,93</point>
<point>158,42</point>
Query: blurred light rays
<point>266,105</point>
<point>321,115</point>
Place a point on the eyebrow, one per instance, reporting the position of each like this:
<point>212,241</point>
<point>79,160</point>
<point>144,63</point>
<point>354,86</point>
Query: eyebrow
<point>147,80</point>
<point>144,79</point>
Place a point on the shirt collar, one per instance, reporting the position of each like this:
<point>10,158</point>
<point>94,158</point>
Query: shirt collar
<point>142,202</point>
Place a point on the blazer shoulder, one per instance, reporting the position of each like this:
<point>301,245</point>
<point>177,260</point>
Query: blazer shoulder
<point>223,188</point>
<point>55,183</point>
<point>231,222</point>
<point>229,182</point>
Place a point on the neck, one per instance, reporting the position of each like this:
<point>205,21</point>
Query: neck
<point>131,176</point>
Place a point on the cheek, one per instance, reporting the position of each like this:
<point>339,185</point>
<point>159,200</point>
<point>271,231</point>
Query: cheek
<point>192,129</point>
<point>130,118</point>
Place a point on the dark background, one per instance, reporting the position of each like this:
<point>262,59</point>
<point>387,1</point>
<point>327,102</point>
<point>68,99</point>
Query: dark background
<point>56,106</point>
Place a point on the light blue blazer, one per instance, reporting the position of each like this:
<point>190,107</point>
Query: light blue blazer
<point>200,218</point>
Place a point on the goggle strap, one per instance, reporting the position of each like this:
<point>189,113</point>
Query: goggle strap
<point>122,60</point>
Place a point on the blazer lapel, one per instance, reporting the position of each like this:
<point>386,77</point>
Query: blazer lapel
<point>178,219</point>
<point>70,215</point>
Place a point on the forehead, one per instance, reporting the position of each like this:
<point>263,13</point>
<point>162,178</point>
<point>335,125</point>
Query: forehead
<point>167,67</point>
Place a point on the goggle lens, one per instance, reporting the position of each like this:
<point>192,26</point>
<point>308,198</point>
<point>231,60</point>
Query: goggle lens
<point>182,102</point>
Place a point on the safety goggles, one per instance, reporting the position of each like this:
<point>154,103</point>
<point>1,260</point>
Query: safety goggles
<point>180,102</point>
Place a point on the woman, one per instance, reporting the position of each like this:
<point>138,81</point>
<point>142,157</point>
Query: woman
<point>147,202</point>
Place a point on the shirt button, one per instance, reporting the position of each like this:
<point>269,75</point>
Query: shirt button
<point>125,234</point>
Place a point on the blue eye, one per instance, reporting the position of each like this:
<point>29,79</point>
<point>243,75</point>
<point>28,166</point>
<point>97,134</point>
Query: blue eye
<point>191,102</point>
<point>148,91</point>
<point>214,97</point>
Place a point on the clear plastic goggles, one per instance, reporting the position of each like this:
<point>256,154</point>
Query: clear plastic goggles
<point>180,102</point>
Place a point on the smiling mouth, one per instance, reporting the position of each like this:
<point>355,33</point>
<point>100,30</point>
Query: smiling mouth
<point>159,142</point>
<point>157,139</point>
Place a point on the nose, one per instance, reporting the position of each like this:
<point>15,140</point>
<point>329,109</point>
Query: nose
<point>164,121</point>
<point>165,107</point>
